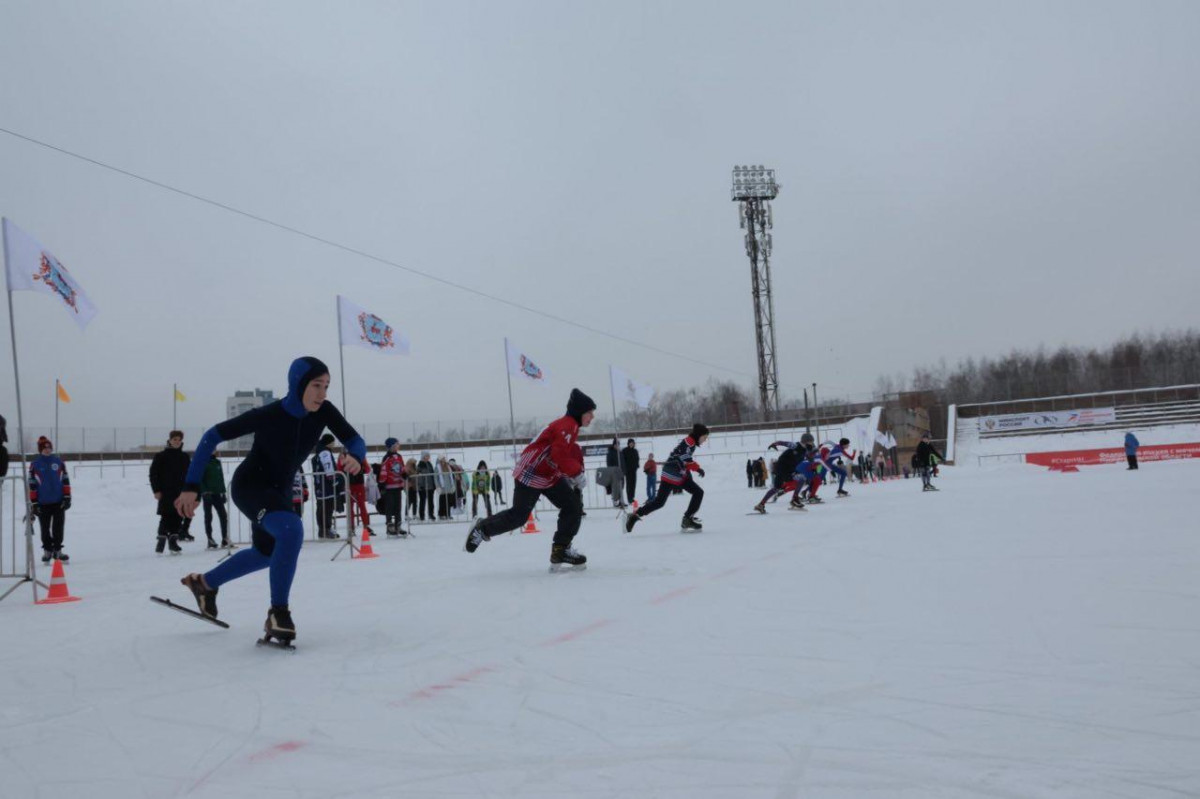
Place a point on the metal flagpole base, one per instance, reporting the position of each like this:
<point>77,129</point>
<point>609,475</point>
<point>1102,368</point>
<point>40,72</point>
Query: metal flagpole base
<point>349,542</point>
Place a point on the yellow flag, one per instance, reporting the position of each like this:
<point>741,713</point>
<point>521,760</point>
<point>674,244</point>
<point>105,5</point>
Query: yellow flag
<point>179,396</point>
<point>63,396</point>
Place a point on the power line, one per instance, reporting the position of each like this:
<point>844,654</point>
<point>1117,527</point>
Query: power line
<point>370,256</point>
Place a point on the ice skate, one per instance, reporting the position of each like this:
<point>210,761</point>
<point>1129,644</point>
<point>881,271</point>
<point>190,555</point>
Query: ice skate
<point>161,545</point>
<point>46,555</point>
<point>690,524</point>
<point>842,493</point>
<point>565,558</point>
<point>761,508</point>
<point>278,630</point>
<point>63,556</point>
<point>796,504</point>
<point>206,598</point>
<point>173,545</point>
<point>475,537</point>
<point>211,544</point>
<point>630,520</point>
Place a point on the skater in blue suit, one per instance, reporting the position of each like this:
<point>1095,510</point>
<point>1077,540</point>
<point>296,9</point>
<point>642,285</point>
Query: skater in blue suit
<point>285,433</point>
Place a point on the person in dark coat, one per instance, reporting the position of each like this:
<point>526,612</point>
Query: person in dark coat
<point>50,498</point>
<point>498,487</point>
<point>426,485</point>
<point>3,448</point>
<point>168,471</point>
<point>212,496</point>
<point>630,459</point>
<point>924,457</point>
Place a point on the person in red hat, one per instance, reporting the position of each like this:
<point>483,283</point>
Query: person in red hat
<point>50,497</point>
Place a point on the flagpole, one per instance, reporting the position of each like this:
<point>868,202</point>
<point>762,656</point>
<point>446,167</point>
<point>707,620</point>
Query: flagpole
<point>30,569</point>
<point>342,356</point>
<point>174,406</point>
<point>612,396</point>
<point>512,419</point>
<point>57,388</point>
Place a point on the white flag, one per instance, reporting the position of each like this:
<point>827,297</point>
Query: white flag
<point>891,441</point>
<point>881,439</point>
<point>626,389</point>
<point>522,365</point>
<point>361,328</point>
<point>31,267</point>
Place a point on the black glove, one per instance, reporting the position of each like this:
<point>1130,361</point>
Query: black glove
<point>773,447</point>
<point>35,509</point>
<point>700,472</point>
<point>66,503</point>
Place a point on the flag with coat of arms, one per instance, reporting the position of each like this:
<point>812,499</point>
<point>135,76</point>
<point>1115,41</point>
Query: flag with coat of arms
<point>31,267</point>
<point>520,364</point>
<point>361,328</point>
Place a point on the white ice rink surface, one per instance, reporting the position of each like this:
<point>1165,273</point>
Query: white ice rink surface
<point>1019,634</point>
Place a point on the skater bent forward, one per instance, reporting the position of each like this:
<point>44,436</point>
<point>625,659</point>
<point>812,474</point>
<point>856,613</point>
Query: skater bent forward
<point>285,432</point>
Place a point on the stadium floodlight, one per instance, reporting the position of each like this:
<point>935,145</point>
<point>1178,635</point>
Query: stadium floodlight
<point>754,187</point>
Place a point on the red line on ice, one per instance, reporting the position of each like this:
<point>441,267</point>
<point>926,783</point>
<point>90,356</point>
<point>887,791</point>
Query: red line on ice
<point>582,631</point>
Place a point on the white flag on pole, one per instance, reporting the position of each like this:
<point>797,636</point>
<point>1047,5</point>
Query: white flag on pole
<point>626,389</point>
<point>31,267</point>
<point>881,439</point>
<point>891,441</point>
<point>522,365</point>
<point>361,328</point>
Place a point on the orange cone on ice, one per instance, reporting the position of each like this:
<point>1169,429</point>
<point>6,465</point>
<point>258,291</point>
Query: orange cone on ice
<point>531,525</point>
<point>58,587</point>
<point>365,550</point>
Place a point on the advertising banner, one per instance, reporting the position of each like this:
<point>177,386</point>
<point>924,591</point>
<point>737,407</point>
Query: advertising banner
<point>1048,420</point>
<point>1094,457</point>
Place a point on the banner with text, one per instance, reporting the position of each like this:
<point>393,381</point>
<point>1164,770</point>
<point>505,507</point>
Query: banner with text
<point>1049,420</point>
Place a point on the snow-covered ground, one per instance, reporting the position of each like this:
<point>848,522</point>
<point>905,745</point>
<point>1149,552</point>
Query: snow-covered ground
<point>1019,634</point>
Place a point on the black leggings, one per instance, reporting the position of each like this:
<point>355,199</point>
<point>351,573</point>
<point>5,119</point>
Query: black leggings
<point>562,495</point>
<point>664,492</point>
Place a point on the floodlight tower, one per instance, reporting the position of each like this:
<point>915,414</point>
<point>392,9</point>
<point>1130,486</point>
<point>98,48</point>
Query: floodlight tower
<point>753,189</point>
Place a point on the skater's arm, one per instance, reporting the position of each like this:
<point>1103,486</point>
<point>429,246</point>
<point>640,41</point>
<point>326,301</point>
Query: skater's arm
<point>565,453</point>
<point>346,434</point>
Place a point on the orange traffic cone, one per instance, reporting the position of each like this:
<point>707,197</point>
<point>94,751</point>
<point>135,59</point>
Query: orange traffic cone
<point>58,587</point>
<point>365,550</point>
<point>531,525</point>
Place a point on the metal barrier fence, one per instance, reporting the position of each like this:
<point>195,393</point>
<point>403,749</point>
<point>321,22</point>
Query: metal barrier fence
<point>14,548</point>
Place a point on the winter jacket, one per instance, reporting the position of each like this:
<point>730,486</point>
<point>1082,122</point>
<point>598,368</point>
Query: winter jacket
<point>1131,444</point>
<point>168,475</point>
<point>785,466</point>
<point>391,471</point>
<point>612,457</point>
<point>926,453</point>
<point>481,483</point>
<point>497,483</point>
<point>554,454</point>
<point>630,460</point>
<point>213,481</point>
<point>324,470</point>
<point>425,476</point>
<point>445,478</point>
<point>48,480</point>
<point>651,467</point>
<point>680,462</point>
<point>299,489</point>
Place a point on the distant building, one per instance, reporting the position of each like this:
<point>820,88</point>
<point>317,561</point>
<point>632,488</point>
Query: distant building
<point>243,401</point>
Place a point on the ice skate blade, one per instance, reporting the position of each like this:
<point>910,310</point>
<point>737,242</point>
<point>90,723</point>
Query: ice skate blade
<point>267,641</point>
<point>188,611</point>
<point>558,568</point>
<point>690,530</point>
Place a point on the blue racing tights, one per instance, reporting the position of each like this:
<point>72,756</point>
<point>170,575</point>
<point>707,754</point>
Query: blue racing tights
<point>287,532</point>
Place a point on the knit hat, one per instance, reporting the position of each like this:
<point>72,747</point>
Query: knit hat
<point>698,430</point>
<point>390,442</point>
<point>44,442</point>
<point>579,404</point>
<point>326,440</point>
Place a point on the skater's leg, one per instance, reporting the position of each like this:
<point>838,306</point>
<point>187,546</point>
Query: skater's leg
<point>524,500</point>
<point>659,500</point>
<point>569,502</point>
<point>243,562</point>
<point>44,523</point>
<point>487,503</point>
<point>207,501</point>
<point>697,493</point>
<point>630,486</point>
<point>57,520</point>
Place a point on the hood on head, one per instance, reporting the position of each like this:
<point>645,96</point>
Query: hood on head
<point>302,372</point>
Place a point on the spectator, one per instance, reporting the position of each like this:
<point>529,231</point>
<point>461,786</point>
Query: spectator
<point>299,493</point>
<point>3,448</point>
<point>1131,448</point>
<point>925,460</point>
<point>357,499</point>
<point>391,482</point>
<point>426,485</point>
<point>446,485</point>
<point>749,473</point>
<point>168,471</point>
<point>630,460</point>
<point>212,494</point>
<point>651,470</point>
<point>462,487</point>
<point>498,486</point>
<point>50,496</point>
<point>481,483</point>
<point>325,486</point>
<point>410,486</point>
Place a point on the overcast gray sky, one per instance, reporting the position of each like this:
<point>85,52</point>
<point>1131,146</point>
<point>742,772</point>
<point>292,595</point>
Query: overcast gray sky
<point>959,178</point>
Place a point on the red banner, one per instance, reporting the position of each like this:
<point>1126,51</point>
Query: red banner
<point>1092,457</point>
